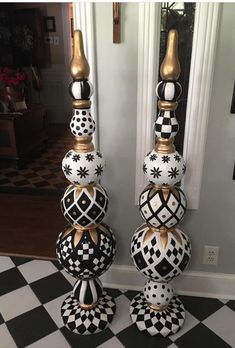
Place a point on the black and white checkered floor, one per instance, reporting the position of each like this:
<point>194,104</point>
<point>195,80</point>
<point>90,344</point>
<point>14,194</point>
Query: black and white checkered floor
<point>32,292</point>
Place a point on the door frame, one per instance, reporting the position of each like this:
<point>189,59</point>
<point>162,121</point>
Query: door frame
<point>205,37</point>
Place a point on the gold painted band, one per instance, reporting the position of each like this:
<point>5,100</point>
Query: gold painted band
<point>82,229</point>
<point>87,307</point>
<point>83,144</point>
<point>167,106</point>
<point>156,308</point>
<point>81,104</point>
<point>165,146</point>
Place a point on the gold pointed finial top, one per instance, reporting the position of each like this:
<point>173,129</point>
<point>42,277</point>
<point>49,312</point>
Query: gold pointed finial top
<point>170,67</point>
<point>79,66</point>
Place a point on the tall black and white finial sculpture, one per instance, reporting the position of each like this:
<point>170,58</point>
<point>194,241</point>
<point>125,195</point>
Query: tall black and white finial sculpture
<point>159,248</point>
<point>86,247</point>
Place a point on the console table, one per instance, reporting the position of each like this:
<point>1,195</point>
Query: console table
<point>22,135</point>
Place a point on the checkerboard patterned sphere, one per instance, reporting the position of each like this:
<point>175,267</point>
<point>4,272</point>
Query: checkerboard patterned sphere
<point>162,207</point>
<point>86,254</point>
<point>158,294</point>
<point>82,123</point>
<point>163,169</point>
<point>81,89</point>
<point>160,259</point>
<point>166,125</point>
<point>83,168</point>
<point>84,206</point>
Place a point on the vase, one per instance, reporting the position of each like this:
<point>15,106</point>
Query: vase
<point>16,98</point>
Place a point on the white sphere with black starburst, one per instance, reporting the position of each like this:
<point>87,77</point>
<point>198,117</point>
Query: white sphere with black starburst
<point>158,294</point>
<point>164,169</point>
<point>86,206</point>
<point>162,206</point>
<point>82,123</point>
<point>160,258</point>
<point>83,168</point>
<point>86,254</point>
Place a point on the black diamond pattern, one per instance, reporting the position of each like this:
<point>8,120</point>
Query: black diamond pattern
<point>163,267</point>
<point>84,202</point>
<point>139,260</point>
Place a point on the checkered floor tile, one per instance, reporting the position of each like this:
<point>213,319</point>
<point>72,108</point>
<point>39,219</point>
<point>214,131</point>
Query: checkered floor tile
<point>32,292</point>
<point>42,173</point>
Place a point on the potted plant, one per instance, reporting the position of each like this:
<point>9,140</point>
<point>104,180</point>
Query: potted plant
<point>12,84</point>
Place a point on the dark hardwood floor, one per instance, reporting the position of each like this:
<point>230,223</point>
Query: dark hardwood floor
<point>29,225</point>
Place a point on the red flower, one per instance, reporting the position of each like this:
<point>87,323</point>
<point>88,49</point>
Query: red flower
<point>14,81</point>
<point>7,70</point>
<point>12,77</point>
<point>20,76</point>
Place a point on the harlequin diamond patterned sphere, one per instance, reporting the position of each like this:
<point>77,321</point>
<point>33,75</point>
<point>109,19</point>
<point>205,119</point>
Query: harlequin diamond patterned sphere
<point>162,207</point>
<point>83,168</point>
<point>160,258</point>
<point>86,254</point>
<point>82,123</point>
<point>163,169</point>
<point>158,294</point>
<point>84,206</point>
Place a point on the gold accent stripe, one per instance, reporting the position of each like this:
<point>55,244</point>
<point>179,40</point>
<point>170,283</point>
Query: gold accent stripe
<point>87,307</point>
<point>156,308</point>
<point>81,104</point>
<point>82,229</point>
<point>166,105</point>
<point>165,146</point>
<point>83,144</point>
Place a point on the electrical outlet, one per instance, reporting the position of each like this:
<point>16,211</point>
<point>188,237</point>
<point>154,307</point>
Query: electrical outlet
<point>211,255</point>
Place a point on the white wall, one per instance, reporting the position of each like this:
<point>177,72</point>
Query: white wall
<point>214,222</point>
<point>117,79</point>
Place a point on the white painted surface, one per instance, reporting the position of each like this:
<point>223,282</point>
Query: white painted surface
<point>205,37</point>
<point>205,284</point>
<point>148,61</point>
<point>84,20</point>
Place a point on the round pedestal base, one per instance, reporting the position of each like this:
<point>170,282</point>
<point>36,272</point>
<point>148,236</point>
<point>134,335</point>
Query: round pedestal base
<point>88,321</point>
<point>165,322</point>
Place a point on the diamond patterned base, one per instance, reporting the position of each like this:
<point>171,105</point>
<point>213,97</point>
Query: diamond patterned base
<point>86,322</point>
<point>165,322</point>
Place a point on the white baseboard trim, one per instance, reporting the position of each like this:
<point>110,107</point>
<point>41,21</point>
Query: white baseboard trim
<point>192,283</point>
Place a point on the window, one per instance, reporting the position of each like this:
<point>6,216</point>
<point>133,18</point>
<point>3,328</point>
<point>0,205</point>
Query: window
<point>179,16</point>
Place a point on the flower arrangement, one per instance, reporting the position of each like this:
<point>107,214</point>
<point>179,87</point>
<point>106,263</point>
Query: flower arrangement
<point>12,78</point>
